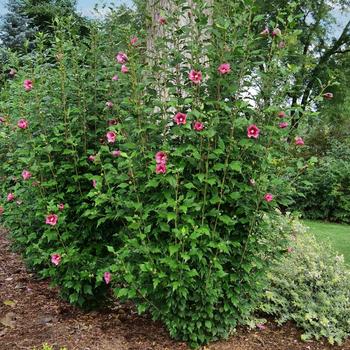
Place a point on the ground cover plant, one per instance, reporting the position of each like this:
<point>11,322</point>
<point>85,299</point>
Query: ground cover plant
<point>310,286</point>
<point>151,165</point>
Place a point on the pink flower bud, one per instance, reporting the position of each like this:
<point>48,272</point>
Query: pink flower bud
<point>107,277</point>
<point>124,69</point>
<point>60,207</point>
<point>328,96</point>
<point>10,197</point>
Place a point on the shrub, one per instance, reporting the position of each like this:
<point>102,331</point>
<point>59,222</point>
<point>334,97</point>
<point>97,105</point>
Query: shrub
<point>311,286</point>
<point>158,181</point>
<point>323,190</point>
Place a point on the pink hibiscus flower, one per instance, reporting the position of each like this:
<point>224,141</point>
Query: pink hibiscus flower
<point>224,68</point>
<point>161,157</point>
<point>111,136</point>
<point>299,141</point>
<point>28,85</point>
<point>283,125</point>
<point>124,69</point>
<point>26,175</point>
<point>115,77</point>
<point>276,32</point>
<point>51,219</point>
<point>121,57</point>
<point>22,124</point>
<point>160,168</point>
<point>253,131</point>
<point>116,153</point>
<point>180,118</point>
<point>198,126</point>
<point>134,40</point>
<point>268,197</point>
<point>60,206</point>
<point>195,76</point>
<point>56,259</point>
<point>10,197</point>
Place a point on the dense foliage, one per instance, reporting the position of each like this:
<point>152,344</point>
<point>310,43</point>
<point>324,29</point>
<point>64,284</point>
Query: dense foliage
<point>154,168</point>
<point>311,286</point>
<point>323,190</point>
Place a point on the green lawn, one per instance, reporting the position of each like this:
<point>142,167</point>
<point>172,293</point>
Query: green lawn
<point>338,235</point>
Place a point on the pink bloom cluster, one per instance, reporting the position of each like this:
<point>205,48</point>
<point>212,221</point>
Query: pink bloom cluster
<point>161,159</point>
<point>10,197</point>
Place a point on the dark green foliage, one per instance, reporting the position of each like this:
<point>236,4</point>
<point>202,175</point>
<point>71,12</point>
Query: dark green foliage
<point>323,190</point>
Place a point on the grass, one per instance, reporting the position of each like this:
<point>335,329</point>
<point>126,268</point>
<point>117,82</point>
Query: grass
<point>337,234</point>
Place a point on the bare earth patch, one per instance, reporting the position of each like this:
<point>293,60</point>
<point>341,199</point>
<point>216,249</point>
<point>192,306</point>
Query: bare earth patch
<point>31,314</point>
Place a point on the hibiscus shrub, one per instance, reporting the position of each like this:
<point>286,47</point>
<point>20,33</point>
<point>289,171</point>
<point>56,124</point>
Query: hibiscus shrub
<point>152,169</point>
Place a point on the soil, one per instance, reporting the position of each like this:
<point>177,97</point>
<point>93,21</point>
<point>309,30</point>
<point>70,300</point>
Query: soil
<point>31,314</point>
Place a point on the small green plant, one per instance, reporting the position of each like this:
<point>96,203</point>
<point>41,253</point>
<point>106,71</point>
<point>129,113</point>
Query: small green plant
<point>311,286</point>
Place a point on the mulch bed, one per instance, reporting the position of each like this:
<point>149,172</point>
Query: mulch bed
<point>31,314</point>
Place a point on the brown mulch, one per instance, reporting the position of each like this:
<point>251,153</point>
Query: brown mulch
<point>31,314</point>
